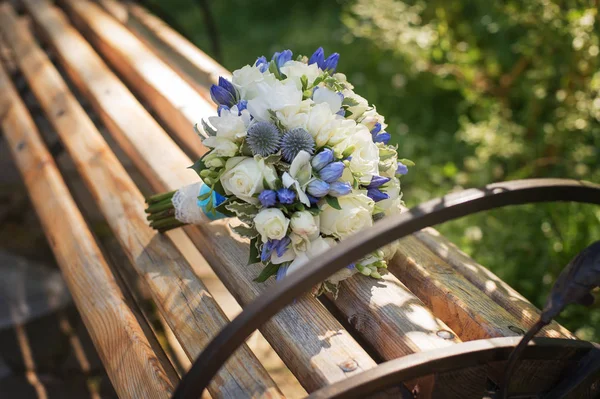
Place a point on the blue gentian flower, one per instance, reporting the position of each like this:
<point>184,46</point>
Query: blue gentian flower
<point>339,189</point>
<point>377,181</point>
<point>317,188</point>
<point>262,63</point>
<point>376,129</point>
<point>224,93</point>
<point>377,195</point>
<point>282,58</point>
<point>318,57</point>
<point>286,196</point>
<point>330,64</point>
<point>383,137</point>
<point>281,272</point>
<point>267,198</point>
<point>242,105</point>
<point>341,112</point>
<point>221,108</point>
<point>312,200</point>
<point>402,169</point>
<point>267,251</point>
<point>332,172</point>
<point>280,246</point>
<point>322,159</point>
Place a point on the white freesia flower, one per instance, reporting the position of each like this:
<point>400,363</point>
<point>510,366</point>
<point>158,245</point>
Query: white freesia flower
<point>322,123</point>
<point>371,117</point>
<point>273,96</point>
<point>329,97</point>
<point>305,224</point>
<point>221,147</point>
<point>365,156</point>
<point>354,216</point>
<point>229,125</point>
<point>293,116</point>
<point>294,70</point>
<point>271,223</point>
<point>356,110</point>
<point>244,177</point>
<point>247,80</point>
<point>299,175</point>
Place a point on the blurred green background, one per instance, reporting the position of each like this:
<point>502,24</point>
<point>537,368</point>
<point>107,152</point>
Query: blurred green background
<point>474,91</point>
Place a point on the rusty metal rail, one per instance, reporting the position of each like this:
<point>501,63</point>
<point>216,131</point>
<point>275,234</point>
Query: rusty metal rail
<point>430,213</point>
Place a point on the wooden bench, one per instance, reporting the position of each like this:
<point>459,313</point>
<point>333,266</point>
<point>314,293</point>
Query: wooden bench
<point>147,85</point>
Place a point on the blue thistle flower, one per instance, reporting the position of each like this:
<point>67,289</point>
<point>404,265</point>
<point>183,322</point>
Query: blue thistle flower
<point>294,141</point>
<point>267,198</point>
<point>286,196</point>
<point>263,138</point>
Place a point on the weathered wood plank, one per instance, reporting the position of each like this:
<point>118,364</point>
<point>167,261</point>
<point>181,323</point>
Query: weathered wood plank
<point>180,296</point>
<point>193,64</point>
<point>461,305</point>
<point>169,95</point>
<point>112,324</point>
<point>146,142</point>
<point>500,292</point>
<point>402,332</point>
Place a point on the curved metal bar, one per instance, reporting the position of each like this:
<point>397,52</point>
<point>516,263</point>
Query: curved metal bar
<point>455,357</point>
<point>430,213</point>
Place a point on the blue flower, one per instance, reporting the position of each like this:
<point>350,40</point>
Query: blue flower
<point>332,172</point>
<point>383,137</point>
<point>280,246</point>
<point>322,159</point>
<point>330,64</point>
<point>224,93</point>
<point>221,108</point>
<point>351,266</point>
<point>242,105</point>
<point>262,63</point>
<point>317,188</point>
<point>282,58</point>
<point>377,181</point>
<point>376,129</point>
<point>318,57</point>
<point>286,196</point>
<point>267,251</point>
<point>402,169</point>
<point>376,195</point>
<point>312,200</point>
<point>267,198</point>
<point>339,189</point>
<point>281,272</point>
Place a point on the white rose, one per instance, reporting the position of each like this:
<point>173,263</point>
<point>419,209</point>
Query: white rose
<point>344,129</point>
<point>355,215</point>
<point>294,70</point>
<point>273,96</point>
<point>305,224</point>
<point>371,117</point>
<point>365,156</point>
<point>222,147</point>
<point>299,243</point>
<point>229,125</point>
<point>356,110</point>
<point>329,97</point>
<point>293,116</point>
<point>244,178</point>
<point>271,223</point>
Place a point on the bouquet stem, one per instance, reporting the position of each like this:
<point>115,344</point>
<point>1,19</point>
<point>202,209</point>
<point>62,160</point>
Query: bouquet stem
<point>161,212</point>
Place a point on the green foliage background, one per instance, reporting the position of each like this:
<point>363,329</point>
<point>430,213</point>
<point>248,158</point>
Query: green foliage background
<point>474,92</point>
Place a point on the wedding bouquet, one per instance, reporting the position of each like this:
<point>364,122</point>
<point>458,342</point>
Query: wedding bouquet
<point>299,158</point>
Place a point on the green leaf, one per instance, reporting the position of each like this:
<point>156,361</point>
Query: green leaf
<point>334,289</point>
<point>205,196</point>
<point>333,202</point>
<point>269,270</point>
<point>349,101</point>
<point>243,210</point>
<point>208,129</point>
<point>218,187</point>
<point>222,209</point>
<point>407,162</point>
<point>254,256</point>
<point>314,211</point>
<point>245,231</point>
<point>304,81</point>
<point>272,159</point>
<point>198,166</point>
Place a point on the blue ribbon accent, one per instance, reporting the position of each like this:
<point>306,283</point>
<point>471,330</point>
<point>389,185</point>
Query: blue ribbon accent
<point>217,199</point>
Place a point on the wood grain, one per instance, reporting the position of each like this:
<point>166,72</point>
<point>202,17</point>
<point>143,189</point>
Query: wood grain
<point>461,305</point>
<point>193,64</point>
<point>182,299</point>
<point>406,325</point>
<point>112,324</point>
<point>170,96</point>
<point>500,292</point>
<point>145,142</point>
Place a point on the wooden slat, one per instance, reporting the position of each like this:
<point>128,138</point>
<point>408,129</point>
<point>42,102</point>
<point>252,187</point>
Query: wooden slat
<point>400,323</point>
<point>315,357</point>
<point>193,64</point>
<point>500,292</point>
<point>113,326</point>
<point>171,98</point>
<point>461,305</point>
<point>181,297</point>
